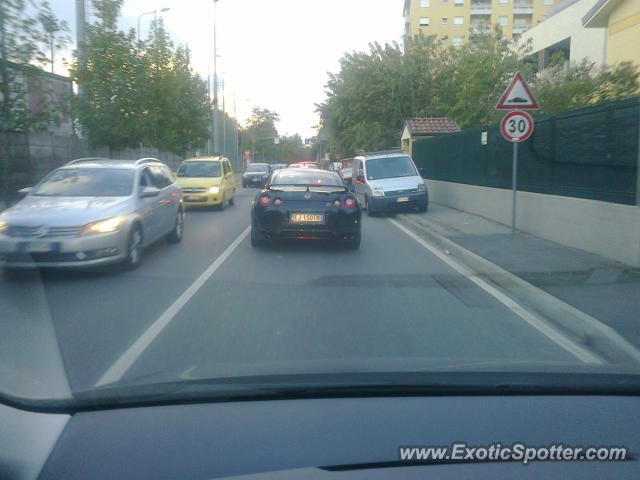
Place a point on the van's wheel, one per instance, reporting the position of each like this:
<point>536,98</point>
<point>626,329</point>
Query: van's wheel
<point>134,249</point>
<point>175,235</point>
<point>369,208</point>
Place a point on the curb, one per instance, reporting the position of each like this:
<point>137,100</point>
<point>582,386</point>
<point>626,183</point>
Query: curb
<point>583,328</point>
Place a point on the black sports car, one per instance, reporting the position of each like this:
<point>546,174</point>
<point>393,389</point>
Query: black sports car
<point>305,204</point>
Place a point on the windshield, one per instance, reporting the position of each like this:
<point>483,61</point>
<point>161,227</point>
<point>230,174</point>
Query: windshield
<point>391,167</point>
<point>87,182</point>
<point>370,194</point>
<point>258,168</point>
<point>200,169</point>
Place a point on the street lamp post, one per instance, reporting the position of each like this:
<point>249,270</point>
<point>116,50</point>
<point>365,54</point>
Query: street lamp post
<point>155,17</point>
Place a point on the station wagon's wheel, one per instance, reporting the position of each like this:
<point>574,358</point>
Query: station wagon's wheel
<point>175,235</point>
<point>134,249</point>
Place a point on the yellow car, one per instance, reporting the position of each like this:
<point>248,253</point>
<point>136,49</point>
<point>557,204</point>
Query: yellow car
<point>207,181</point>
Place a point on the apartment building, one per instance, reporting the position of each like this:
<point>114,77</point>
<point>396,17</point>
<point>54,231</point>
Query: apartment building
<point>455,22</point>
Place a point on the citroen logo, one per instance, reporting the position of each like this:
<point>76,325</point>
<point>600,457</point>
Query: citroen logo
<point>307,196</point>
<point>41,231</point>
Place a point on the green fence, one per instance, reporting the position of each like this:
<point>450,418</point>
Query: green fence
<point>587,153</point>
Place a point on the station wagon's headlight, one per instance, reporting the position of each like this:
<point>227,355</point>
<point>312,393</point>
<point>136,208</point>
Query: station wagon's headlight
<point>3,226</point>
<point>378,192</point>
<point>104,226</point>
<point>214,190</point>
<point>422,187</point>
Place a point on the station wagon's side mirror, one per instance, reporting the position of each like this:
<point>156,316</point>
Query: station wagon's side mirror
<point>422,171</point>
<point>147,192</point>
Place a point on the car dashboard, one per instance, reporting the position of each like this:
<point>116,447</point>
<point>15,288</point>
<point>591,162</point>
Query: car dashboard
<point>315,438</point>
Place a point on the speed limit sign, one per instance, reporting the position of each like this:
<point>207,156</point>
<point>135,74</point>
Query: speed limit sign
<point>516,126</point>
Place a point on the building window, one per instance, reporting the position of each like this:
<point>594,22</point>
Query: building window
<point>444,21</point>
<point>504,2</point>
<point>503,20</point>
<point>445,2</point>
<point>548,2</point>
<point>424,22</point>
<point>458,21</point>
<point>425,3</point>
<point>520,21</point>
<point>457,41</point>
<point>458,3</point>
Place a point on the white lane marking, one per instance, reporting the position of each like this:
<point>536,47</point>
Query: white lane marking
<point>569,345</point>
<point>124,362</point>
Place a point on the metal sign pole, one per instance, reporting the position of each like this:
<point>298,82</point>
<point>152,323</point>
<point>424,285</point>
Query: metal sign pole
<point>514,186</point>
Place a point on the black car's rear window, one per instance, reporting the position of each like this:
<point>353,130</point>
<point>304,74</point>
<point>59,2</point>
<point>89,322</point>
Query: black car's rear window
<point>302,177</point>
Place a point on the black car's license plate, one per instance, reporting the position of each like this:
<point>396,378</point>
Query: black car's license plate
<point>307,218</point>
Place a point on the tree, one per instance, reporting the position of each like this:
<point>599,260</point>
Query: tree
<point>133,92</point>
<point>259,129</point>
<point>21,45</point>
<point>55,32</point>
<point>565,86</point>
<point>176,107</point>
<point>374,92</point>
<point>108,74</point>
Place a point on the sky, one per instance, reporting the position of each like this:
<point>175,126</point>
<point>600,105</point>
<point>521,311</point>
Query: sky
<point>271,53</point>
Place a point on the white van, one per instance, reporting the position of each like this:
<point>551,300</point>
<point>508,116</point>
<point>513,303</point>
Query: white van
<point>388,181</point>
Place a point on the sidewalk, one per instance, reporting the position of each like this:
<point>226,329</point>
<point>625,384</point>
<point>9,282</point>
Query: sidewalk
<point>605,289</point>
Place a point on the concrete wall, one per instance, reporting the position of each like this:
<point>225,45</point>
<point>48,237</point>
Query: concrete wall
<point>587,43</point>
<point>603,228</point>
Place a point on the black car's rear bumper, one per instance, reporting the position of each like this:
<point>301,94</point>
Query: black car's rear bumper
<point>339,225</point>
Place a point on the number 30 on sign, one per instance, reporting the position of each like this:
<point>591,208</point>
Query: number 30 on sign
<point>516,126</point>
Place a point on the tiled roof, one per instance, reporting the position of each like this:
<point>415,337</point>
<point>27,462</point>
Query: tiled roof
<point>432,126</point>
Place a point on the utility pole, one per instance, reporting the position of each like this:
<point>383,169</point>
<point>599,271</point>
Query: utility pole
<point>224,121</point>
<point>215,80</point>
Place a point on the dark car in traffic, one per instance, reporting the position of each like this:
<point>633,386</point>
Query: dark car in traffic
<point>305,204</point>
<point>256,175</point>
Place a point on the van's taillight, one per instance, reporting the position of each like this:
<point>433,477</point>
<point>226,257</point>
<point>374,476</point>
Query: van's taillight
<point>350,202</point>
<point>264,199</point>
<point>277,202</point>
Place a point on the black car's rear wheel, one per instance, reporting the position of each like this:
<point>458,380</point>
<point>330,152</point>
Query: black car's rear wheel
<point>354,242</point>
<point>256,238</point>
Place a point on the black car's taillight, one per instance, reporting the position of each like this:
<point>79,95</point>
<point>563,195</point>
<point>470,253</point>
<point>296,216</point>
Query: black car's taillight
<point>277,202</point>
<point>264,199</point>
<point>350,202</point>
<point>337,203</point>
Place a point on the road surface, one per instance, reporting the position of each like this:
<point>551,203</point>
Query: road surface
<point>291,307</point>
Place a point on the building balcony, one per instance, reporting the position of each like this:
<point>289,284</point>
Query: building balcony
<point>480,9</point>
<point>520,8</point>
<point>480,28</point>
<point>517,29</point>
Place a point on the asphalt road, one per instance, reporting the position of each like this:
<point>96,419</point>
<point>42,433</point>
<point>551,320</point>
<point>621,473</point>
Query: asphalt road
<point>293,307</point>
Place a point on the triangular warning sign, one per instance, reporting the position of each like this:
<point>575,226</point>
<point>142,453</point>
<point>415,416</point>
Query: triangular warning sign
<point>517,96</point>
